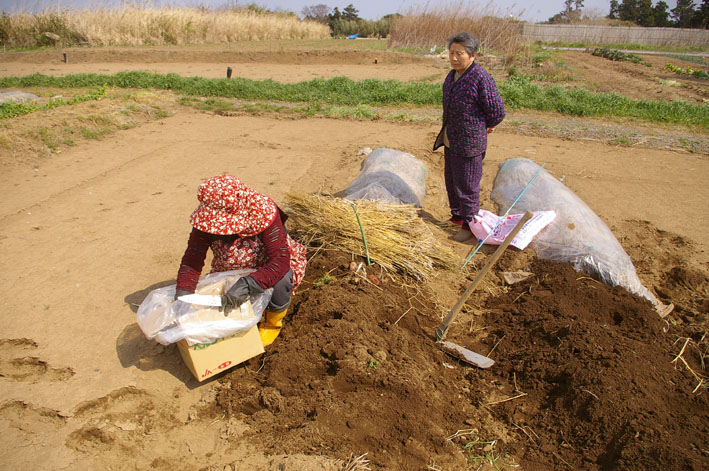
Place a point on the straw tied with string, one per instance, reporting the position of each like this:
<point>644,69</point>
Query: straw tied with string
<point>396,237</point>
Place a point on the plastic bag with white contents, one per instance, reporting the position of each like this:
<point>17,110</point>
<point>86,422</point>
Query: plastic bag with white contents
<point>488,227</point>
<point>390,176</point>
<point>577,235</point>
<point>167,321</point>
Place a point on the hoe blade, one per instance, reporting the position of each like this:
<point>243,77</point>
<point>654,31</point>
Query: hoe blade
<point>466,355</point>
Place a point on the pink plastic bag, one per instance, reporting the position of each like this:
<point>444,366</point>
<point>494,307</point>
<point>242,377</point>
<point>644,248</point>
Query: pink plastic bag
<point>485,224</point>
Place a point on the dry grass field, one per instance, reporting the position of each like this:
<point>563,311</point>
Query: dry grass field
<point>136,25</point>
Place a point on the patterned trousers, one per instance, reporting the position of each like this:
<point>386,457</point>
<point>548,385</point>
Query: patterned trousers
<point>462,175</point>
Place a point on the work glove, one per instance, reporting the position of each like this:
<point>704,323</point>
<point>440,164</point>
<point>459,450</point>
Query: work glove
<point>180,292</point>
<point>236,296</point>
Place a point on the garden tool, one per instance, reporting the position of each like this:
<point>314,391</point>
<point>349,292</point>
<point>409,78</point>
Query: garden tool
<point>271,326</point>
<point>456,350</point>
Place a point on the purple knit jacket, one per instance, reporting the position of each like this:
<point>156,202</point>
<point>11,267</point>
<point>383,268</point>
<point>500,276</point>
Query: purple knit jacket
<point>470,106</point>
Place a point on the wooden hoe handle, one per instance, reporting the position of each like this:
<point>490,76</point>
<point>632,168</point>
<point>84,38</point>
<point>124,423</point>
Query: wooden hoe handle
<point>443,328</point>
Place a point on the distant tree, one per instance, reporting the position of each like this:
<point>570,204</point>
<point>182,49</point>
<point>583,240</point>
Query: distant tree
<point>646,14</point>
<point>614,13</point>
<point>317,13</point>
<point>683,13</point>
<point>639,12</point>
<point>385,23</point>
<point>700,19</point>
<point>350,13</point>
<point>570,5</point>
<point>396,16</point>
<point>256,8</point>
<point>661,14</point>
<point>333,18</point>
<point>570,13</point>
<point>334,15</point>
<point>556,19</point>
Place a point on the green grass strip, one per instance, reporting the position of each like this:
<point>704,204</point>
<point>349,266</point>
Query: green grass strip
<point>336,91</point>
<point>518,93</point>
<point>521,93</point>
<point>11,109</point>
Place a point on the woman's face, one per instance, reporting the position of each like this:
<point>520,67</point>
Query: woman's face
<point>459,57</point>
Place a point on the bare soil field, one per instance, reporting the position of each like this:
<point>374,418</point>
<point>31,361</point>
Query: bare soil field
<point>635,81</point>
<point>281,65</point>
<point>587,376</point>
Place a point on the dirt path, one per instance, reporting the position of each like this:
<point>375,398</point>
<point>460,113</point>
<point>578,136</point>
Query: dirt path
<point>212,62</point>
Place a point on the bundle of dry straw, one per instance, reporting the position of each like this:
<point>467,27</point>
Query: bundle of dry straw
<point>397,238</point>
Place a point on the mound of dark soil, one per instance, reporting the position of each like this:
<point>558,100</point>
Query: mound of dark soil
<point>596,364</point>
<point>584,379</point>
<point>346,378</point>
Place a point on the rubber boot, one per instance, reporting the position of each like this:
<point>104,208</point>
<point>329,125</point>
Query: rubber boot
<point>270,329</point>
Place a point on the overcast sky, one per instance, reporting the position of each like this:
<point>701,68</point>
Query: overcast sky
<point>539,10</point>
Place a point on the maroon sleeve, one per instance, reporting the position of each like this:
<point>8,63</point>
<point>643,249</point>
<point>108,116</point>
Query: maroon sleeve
<point>275,240</point>
<point>193,260</point>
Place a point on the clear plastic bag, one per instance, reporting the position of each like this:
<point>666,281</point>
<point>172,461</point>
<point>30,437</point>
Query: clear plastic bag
<point>577,235</point>
<point>168,321</point>
<point>390,176</point>
<point>17,97</point>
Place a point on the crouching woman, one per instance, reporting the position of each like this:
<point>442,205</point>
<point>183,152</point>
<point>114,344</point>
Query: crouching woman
<point>245,230</point>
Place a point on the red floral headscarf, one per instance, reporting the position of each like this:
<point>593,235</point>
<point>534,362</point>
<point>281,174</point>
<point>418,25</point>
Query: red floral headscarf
<point>228,207</point>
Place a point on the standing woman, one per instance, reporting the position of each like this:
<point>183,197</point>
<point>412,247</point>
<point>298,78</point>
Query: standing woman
<point>472,107</point>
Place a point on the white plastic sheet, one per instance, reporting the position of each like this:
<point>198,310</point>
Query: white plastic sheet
<point>577,235</point>
<point>168,321</point>
<point>390,176</point>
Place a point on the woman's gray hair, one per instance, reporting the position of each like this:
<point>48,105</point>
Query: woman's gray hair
<point>467,40</point>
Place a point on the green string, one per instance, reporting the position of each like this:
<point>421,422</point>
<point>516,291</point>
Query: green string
<point>366,249</point>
